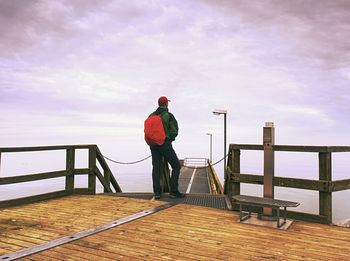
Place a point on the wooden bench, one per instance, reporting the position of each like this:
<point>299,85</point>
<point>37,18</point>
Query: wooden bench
<point>244,200</point>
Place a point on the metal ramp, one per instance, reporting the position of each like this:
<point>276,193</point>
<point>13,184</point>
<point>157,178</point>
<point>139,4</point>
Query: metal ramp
<point>204,200</point>
<point>194,176</point>
<point>196,181</point>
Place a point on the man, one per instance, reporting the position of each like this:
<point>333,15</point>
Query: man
<point>166,150</point>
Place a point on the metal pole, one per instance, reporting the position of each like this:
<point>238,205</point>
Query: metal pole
<point>225,145</point>
<point>224,112</point>
<point>211,148</point>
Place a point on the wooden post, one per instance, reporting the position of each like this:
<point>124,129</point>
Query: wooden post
<point>236,168</point>
<point>269,164</point>
<point>70,165</point>
<point>107,177</point>
<point>92,165</point>
<point>227,180</point>
<point>325,173</point>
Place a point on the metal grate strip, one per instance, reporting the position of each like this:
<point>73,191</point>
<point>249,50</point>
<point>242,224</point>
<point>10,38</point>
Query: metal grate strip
<point>79,235</point>
<point>212,201</point>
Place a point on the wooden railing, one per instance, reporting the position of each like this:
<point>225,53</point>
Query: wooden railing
<point>325,185</point>
<point>105,175</point>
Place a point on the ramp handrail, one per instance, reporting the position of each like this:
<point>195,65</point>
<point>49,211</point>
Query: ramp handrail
<point>215,184</point>
<point>195,162</point>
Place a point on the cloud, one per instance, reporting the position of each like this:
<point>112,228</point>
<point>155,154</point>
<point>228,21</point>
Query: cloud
<point>315,31</point>
<point>281,61</point>
<point>45,27</point>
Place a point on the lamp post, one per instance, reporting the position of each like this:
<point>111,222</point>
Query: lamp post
<point>211,146</point>
<point>223,112</point>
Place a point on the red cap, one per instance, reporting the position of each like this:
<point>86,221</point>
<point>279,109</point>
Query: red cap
<point>163,100</point>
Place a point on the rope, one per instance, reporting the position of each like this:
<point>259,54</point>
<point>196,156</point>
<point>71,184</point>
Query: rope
<point>138,161</point>
<point>127,163</point>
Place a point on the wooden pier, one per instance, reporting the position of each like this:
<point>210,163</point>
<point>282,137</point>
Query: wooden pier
<point>78,224</point>
<point>180,232</point>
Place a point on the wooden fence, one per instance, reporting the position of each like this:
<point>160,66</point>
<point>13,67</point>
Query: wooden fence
<point>325,185</point>
<point>104,175</point>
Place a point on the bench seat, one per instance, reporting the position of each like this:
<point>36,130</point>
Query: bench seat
<point>245,200</point>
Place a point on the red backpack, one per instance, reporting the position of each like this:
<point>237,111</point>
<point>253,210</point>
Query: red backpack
<point>154,130</point>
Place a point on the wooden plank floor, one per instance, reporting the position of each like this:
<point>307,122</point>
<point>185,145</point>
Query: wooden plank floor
<point>33,224</point>
<point>181,232</point>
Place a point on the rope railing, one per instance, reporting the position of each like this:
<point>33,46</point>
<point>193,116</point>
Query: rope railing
<point>127,163</point>
<point>141,160</point>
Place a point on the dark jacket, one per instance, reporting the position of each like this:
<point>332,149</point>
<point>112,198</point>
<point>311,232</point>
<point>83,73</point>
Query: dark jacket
<point>171,128</point>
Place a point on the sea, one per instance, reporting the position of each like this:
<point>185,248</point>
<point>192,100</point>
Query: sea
<point>138,178</point>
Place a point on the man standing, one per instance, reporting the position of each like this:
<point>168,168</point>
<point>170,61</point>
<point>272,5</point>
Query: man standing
<point>166,150</point>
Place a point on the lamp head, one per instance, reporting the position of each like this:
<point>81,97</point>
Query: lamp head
<point>219,111</point>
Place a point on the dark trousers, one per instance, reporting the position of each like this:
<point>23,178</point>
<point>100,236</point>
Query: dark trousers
<point>170,156</point>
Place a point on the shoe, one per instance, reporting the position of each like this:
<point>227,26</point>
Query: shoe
<point>157,196</point>
<point>176,194</point>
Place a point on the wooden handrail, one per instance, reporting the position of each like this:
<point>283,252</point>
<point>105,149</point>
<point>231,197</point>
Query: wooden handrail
<point>106,178</point>
<point>324,185</point>
<point>319,185</point>
<point>45,148</point>
<point>339,185</point>
<point>32,177</point>
<point>296,148</point>
<point>107,172</point>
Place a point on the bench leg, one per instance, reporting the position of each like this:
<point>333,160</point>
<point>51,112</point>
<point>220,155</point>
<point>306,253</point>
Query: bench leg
<point>284,217</point>
<point>242,217</point>
<point>240,212</point>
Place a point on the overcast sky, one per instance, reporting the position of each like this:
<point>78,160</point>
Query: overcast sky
<point>87,71</point>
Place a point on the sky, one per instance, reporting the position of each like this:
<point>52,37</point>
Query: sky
<point>90,72</point>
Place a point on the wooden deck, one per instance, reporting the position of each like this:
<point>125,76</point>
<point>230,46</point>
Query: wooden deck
<point>181,232</point>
